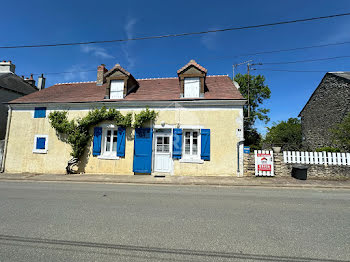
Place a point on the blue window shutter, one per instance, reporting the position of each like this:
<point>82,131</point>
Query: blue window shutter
<point>40,142</point>
<point>121,142</point>
<point>205,144</point>
<point>96,148</point>
<point>177,143</point>
<point>40,112</point>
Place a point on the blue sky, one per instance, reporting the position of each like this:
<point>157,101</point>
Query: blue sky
<point>74,21</point>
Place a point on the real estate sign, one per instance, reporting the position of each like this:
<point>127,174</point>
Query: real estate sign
<point>263,163</point>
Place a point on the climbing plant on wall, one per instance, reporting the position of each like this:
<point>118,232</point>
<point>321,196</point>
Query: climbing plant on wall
<point>76,132</point>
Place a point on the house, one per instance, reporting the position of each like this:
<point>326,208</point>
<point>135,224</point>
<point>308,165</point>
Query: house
<point>198,129</point>
<point>11,87</point>
<point>327,106</point>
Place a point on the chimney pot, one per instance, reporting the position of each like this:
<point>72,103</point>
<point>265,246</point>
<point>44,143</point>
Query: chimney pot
<point>7,67</point>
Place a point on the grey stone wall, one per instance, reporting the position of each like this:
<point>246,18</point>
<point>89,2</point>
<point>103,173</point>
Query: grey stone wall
<point>327,107</point>
<point>5,96</point>
<point>282,169</point>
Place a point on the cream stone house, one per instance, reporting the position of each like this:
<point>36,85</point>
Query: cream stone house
<point>198,130</point>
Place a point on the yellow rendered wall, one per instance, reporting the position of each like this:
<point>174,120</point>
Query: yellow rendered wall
<point>222,124</point>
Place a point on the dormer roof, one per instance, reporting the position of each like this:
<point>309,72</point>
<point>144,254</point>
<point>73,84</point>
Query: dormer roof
<point>192,63</point>
<point>117,67</point>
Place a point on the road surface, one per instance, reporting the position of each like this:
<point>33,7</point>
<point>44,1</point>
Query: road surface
<point>109,222</point>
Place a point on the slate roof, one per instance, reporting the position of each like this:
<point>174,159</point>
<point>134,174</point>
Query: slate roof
<point>15,83</point>
<point>157,89</point>
<point>345,75</point>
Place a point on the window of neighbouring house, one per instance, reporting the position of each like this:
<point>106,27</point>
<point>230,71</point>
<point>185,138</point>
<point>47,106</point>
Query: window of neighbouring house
<point>191,87</point>
<point>191,147</point>
<point>117,89</point>
<point>40,112</point>
<point>40,144</point>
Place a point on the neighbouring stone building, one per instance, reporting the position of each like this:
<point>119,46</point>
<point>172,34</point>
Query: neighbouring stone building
<point>327,106</point>
<point>12,86</point>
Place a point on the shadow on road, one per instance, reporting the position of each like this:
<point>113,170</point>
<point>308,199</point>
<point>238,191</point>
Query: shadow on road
<point>157,250</point>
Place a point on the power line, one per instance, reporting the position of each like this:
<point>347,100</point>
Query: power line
<point>179,34</point>
<point>292,71</point>
<point>241,55</point>
<point>306,60</point>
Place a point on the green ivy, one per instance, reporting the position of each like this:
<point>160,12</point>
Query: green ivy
<point>143,117</point>
<point>76,132</point>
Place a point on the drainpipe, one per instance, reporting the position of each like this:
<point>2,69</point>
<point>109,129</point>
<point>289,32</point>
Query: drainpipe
<point>6,139</point>
<point>238,156</point>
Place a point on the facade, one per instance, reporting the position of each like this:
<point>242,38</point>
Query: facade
<point>11,87</point>
<point>198,130</point>
<point>327,106</point>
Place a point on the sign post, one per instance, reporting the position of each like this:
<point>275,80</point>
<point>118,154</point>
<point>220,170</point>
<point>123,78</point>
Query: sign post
<point>264,163</point>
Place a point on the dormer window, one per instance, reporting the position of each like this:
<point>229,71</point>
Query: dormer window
<point>192,80</point>
<point>117,89</point>
<point>192,87</point>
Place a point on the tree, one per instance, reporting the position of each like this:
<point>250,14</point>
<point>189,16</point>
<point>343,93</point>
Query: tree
<point>286,134</point>
<point>341,133</point>
<point>258,92</point>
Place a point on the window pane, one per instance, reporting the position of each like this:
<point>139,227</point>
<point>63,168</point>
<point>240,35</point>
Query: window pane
<point>115,136</point>
<point>166,149</point>
<point>166,140</point>
<point>108,140</point>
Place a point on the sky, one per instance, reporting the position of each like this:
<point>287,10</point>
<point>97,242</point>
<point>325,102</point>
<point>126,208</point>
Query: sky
<point>47,22</point>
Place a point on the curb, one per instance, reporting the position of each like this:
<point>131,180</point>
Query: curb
<point>300,186</point>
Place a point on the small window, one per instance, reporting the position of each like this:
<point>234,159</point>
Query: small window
<point>163,144</point>
<point>191,87</point>
<point>40,144</point>
<point>117,89</point>
<point>40,112</point>
<point>191,144</point>
<point>109,143</point>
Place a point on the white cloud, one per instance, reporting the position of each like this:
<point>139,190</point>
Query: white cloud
<point>77,73</point>
<point>339,34</point>
<point>210,40</point>
<point>126,47</point>
<point>96,51</point>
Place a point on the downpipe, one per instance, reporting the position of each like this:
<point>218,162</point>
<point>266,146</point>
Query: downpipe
<point>6,139</point>
<point>238,156</point>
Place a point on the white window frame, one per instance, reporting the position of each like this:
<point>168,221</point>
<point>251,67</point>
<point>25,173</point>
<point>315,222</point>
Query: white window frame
<point>188,84</point>
<point>41,151</point>
<point>190,158</point>
<point>116,94</point>
<point>108,154</point>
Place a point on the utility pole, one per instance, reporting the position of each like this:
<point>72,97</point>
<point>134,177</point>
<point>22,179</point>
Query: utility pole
<point>248,72</point>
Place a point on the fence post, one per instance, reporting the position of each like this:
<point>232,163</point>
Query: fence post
<point>325,158</point>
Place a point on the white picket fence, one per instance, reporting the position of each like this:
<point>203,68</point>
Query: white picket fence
<point>316,158</point>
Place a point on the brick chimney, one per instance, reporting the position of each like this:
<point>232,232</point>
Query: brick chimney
<point>30,80</point>
<point>101,70</point>
<point>7,67</point>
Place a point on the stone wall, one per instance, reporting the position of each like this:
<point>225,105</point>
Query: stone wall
<point>282,169</point>
<point>327,107</point>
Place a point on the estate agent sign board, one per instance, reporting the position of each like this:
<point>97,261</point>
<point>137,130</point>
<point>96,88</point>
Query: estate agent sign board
<point>264,163</point>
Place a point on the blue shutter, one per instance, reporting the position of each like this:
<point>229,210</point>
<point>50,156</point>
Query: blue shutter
<point>40,142</point>
<point>40,112</point>
<point>205,144</point>
<point>121,142</point>
<point>177,143</point>
<point>96,148</point>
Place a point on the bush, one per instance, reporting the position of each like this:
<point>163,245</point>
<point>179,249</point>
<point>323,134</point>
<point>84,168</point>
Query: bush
<point>327,149</point>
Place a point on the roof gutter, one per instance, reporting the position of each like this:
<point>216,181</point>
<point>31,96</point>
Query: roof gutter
<point>6,139</point>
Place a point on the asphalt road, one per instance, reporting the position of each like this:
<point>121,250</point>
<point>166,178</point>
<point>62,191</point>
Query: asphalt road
<point>108,222</point>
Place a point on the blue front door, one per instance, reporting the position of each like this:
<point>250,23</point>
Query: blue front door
<point>143,150</point>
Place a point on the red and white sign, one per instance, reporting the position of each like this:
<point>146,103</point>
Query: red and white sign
<point>264,163</point>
